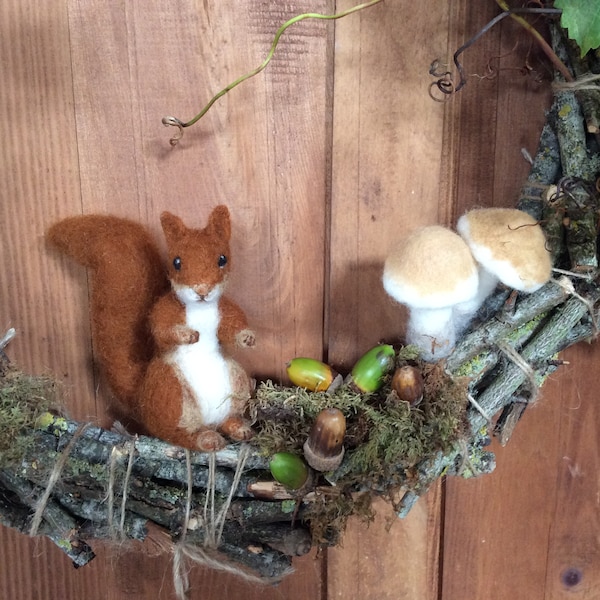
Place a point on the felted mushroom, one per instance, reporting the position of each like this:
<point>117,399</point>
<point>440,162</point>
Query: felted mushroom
<point>510,247</point>
<point>432,271</point>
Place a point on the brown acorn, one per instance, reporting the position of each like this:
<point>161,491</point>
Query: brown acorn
<point>324,448</point>
<point>408,384</point>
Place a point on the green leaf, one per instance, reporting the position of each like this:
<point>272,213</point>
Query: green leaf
<point>582,20</point>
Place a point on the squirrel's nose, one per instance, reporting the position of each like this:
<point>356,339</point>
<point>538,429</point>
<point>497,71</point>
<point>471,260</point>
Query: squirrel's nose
<point>202,290</point>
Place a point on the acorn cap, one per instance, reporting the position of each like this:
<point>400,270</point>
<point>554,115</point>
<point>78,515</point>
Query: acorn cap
<point>431,268</point>
<point>324,449</point>
<point>510,244</point>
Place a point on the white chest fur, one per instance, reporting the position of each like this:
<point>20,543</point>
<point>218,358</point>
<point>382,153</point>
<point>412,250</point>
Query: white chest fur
<point>202,365</point>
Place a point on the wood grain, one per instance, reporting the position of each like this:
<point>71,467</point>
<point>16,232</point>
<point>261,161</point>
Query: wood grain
<point>385,168</point>
<point>40,184</point>
<point>573,564</point>
<point>39,163</point>
<point>387,144</point>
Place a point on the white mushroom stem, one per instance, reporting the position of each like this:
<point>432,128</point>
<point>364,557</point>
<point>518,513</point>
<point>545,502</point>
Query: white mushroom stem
<point>433,331</point>
<point>465,311</point>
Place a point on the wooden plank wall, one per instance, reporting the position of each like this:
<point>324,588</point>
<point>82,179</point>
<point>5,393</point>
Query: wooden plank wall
<point>325,159</point>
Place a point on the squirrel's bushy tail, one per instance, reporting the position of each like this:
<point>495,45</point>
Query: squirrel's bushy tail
<point>127,278</point>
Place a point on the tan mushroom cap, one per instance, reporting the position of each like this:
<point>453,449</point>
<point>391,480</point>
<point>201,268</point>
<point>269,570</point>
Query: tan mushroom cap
<point>510,244</point>
<point>431,268</point>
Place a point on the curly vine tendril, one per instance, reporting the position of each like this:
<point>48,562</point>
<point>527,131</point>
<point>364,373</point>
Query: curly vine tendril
<point>175,122</point>
<point>445,85</point>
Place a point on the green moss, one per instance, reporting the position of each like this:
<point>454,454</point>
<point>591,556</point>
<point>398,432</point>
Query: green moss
<point>288,506</point>
<point>285,414</point>
<point>65,544</point>
<point>408,353</point>
<point>23,401</point>
<point>521,334</point>
<point>473,367</point>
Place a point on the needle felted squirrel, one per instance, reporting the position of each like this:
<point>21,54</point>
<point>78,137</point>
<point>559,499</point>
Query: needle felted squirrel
<point>160,348</point>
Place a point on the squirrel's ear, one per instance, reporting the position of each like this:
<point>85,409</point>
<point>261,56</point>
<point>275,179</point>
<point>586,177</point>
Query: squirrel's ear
<point>173,226</point>
<point>219,222</point>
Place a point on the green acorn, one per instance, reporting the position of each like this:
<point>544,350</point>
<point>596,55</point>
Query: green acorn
<point>311,374</point>
<point>289,470</point>
<point>372,367</point>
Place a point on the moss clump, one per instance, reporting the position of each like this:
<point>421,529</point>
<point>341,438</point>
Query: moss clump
<point>401,436</point>
<point>385,437</point>
<point>328,514</point>
<point>285,415</point>
<point>23,399</point>
<point>383,433</point>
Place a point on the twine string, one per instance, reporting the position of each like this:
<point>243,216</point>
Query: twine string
<point>118,533</point>
<point>183,552</point>
<point>520,362</point>
<point>181,576</point>
<point>110,492</point>
<point>42,503</point>
<point>568,286</point>
<point>479,408</point>
<point>124,497</point>
<point>220,523</point>
<point>213,523</point>
<point>589,81</point>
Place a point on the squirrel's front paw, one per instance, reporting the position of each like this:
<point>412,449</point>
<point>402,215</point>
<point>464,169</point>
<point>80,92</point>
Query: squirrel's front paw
<point>187,335</point>
<point>246,338</point>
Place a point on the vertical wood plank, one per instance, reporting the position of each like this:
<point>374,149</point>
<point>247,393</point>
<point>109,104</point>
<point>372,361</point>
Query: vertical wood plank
<point>496,527</point>
<point>386,163</point>
<point>470,128</point>
<point>498,530</point>
<point>573,561</point>
<point>387,144</point>
<point>40,183</point>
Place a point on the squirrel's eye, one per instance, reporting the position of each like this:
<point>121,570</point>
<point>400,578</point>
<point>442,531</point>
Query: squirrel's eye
<point>222,261</point>
<point>177,263</point>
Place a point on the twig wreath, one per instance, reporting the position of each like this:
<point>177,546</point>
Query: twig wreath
<point>72,482</point>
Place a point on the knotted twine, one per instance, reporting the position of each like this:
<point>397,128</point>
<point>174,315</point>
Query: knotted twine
<point>519,361</point>
<point>213,523</point>
<point>212,520</point>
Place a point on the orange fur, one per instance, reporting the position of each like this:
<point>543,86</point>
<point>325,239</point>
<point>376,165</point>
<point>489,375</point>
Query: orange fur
<point>138,323</point>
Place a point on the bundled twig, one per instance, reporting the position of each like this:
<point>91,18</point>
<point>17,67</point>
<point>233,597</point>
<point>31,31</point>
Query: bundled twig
<point>72,482</point>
